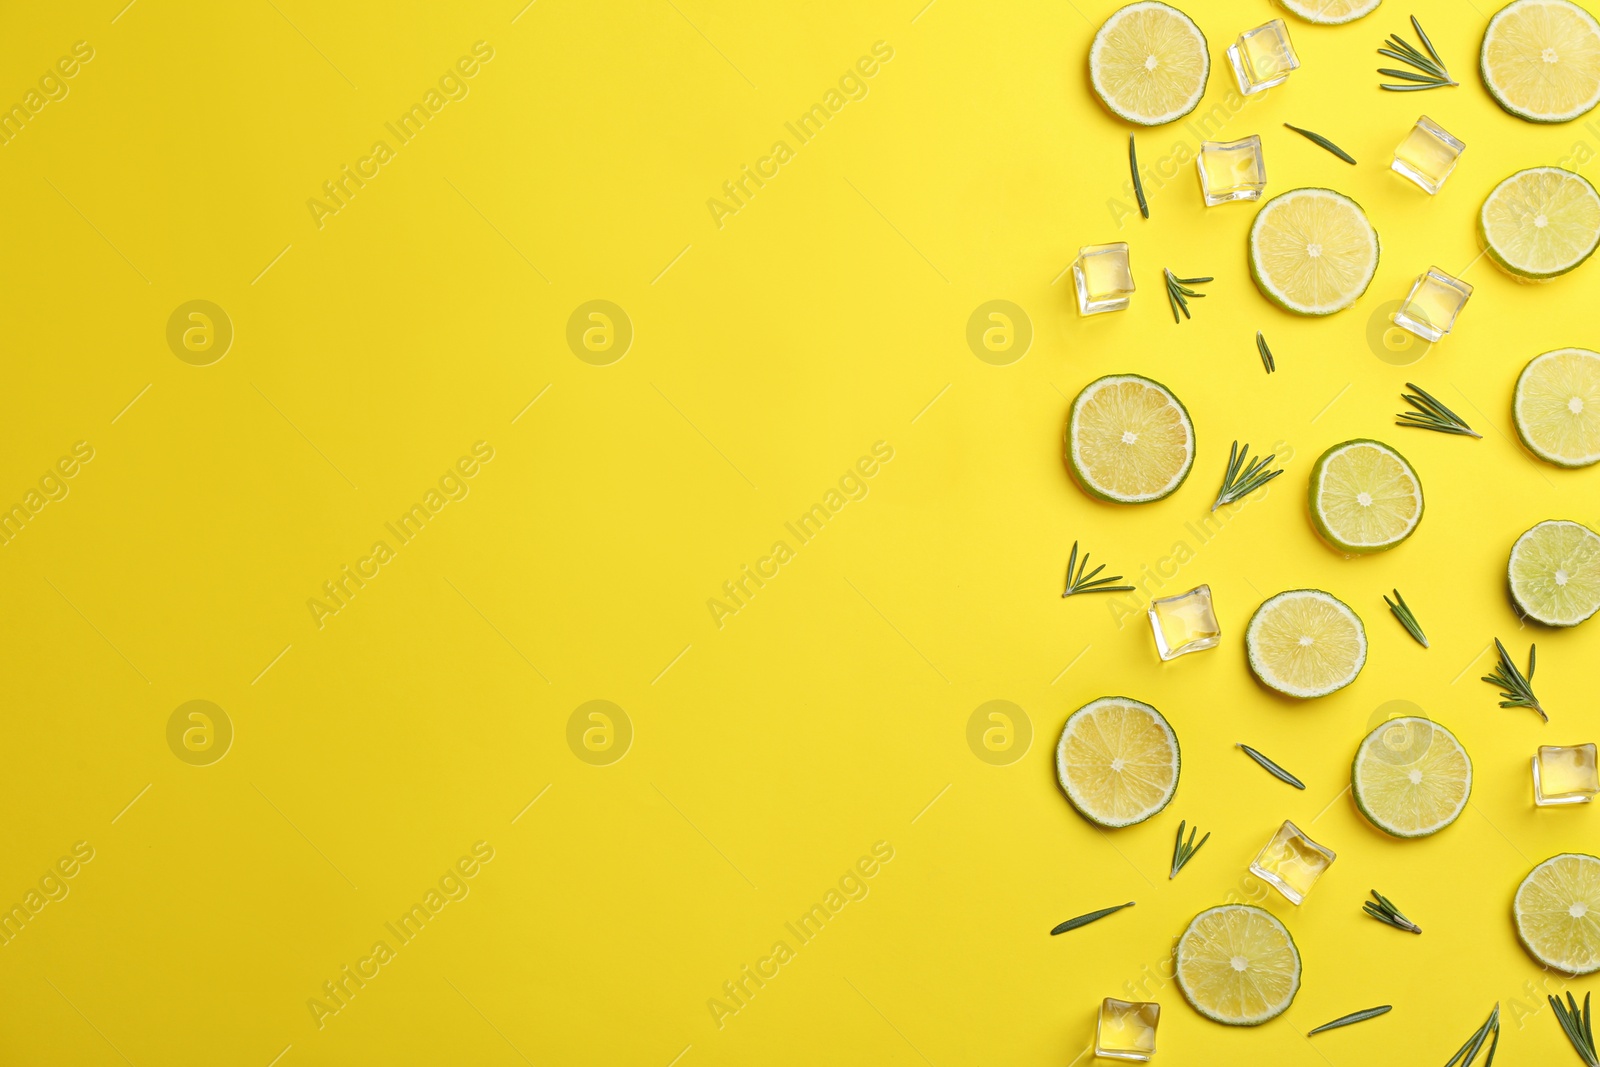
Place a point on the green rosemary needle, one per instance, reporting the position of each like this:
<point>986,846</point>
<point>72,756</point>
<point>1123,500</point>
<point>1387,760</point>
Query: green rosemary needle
<point>1354,1017</point>
<point>1318,139</point>
<point>1242,479</point>
<point>1430,414</point>
<point>1516,688</point>
<point>1429,72</point>
<point>1578,1027</point>
<point>1183,852</point>
<point>1272,768</point>
<point>1266,353</point>
<point>1383,909</point>
<point>1402,611</point>
<point>1088,583</point>
<point>1085,920</point>
<point>1178,292</point>
<point>1469,1052</point>
<point>1138,186</point>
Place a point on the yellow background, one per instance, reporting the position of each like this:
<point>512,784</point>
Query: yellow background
<point>769,353</point>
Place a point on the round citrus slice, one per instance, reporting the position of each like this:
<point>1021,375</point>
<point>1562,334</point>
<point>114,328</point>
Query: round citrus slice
<point>1331,12</point>
<point>1540,223</point>
<point>1541,60</point>
<point>1237,964</point>
<point>1555,573</point>
<point>1129,440</point>
<point>1557,407</point>
<point>1557,911</point>
<point>1117,761</point>
<point>1305,643</point>
<point>1149,64</point>
<point>1364,497</point>
<point>1312,251</point>
<point>1411,777</point>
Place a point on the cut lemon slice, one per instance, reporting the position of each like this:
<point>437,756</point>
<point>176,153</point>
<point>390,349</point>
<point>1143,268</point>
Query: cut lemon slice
<point>1237,964</point>
<point>1364,497</point>
<point>1541,60</point>
<point>1331,12</point>
<point>1557,911</point>
<point>1555,573</point>
<point>1411,777</point>
<point>1149,64</point>
<point>1312,251</point>
<point>1557,407</point>
<point>1117,761</point>
<point>1540,223</point>
<point>1305,643</point>
<point>1129,440</point>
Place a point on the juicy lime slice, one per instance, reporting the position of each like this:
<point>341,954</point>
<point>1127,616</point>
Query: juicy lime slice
<point>1118,761</point>
<point>1411,777</point>
<point>1149,64</point>
<point>1557,407</point>
<point>1331,12</point>
<point>1557,911</point>
<point>1541,60</point>
<point>1364,497</point>
<point>1312,251</point>
<point>1555,573</point>
<point>1237,964</point>
<point>1540,223</point>
<point>1129,440</point>
<point>1305,643</point>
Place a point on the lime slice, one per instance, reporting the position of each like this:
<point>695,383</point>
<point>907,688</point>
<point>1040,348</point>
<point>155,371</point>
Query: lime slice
<point>1312,251</point>
<point>1237,964</point>
<point>1129,440</point>
<point>1149,64</point>
<point>1118,761</point>
<point>1557,407</point>
<point>1540,223</point>
<point>1555,573</point>
<point>1557,911</point>
<point>1541,60</point>
<point>1364,497</point>
<point>1331,12</point>
<point>1411,777</point>
<point>1305,643</point>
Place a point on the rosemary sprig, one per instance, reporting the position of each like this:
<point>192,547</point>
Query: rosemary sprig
<point>1178,292</point>
<point>1272,768</point>
<point>1266,353</point>
<point>1402,611</point>
<point>1469,1052</point>
<point>1516,688</point>
<point>1354,1017</point>
<point>1318,139</point>
<point>1241,479</point>
<point>1085,920</point>
<point>1183,852</point>
<point>1578,1027</point>
<point>1431,414</point>
<point>1088,583</point>
<point>1138,186</point>
<point>1433,74</point>
<point>1385,912</point>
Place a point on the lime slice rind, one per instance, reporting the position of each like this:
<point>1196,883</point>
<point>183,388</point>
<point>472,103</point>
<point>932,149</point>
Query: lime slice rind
<point>1149,63</point>
<point>1411,777</point>
<point>1364,497</point>
<point>1305,643</point>
<point>1312,251</point>
<point>1554,573</point>
<point>1118,761</point>
<point>1129,440</point>
<point>1540,60</point>
<point>1540,223</point>
<point>1557,913</point>
<point>1237,964</point>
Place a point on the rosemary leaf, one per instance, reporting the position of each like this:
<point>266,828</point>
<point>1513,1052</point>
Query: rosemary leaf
<point>1183,852</point>
<point>1429,73</point>
<point>1088,583</point>
<point>1402,611</point>
<point>1318,139</point>
<point>1431,414</point>
<point>1386,912</point>
<point>1516,688</point>
<point>1469,1052</point>
<point>1354,1017</point>
<point>1577,1026</point>
<point>1138,186</point>
<point>1272,768</point>
<point>1423,37</point>
<point>1242,479</point>
<point>1085,920</point>
<point>1266,353</point>
<point>1178,292</point>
